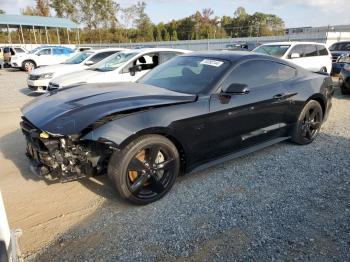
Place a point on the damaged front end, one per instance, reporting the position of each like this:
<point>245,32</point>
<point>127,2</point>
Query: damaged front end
<point>64,158</point>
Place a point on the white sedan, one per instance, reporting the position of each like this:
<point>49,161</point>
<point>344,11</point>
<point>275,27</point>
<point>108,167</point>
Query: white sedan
<point>126,66</point>
<point>38,80</point>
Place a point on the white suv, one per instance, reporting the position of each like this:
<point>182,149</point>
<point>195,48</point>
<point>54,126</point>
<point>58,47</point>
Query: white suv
<point>311,56</point>
<point>38,80</point>
<point>41,56</point>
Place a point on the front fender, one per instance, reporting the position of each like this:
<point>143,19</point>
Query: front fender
<point>164,120</point>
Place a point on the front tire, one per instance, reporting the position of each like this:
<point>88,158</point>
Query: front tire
<point>308,124</point>
<point>323,69</point>
<point>145,170</point>
<point>28,65</point>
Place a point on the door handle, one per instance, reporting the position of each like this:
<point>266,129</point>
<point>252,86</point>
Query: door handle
<point>279,96</point>
<point>284,96</point>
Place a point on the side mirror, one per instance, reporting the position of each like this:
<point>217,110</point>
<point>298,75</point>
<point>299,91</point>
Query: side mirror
<point>295,55</point>
<point>89,63</point>
<point>134,69</point>
<point>235,88</point>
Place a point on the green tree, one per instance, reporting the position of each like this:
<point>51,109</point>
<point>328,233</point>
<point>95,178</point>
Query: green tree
<point>42,8</point>
<point>157,33</point>
<point>65,8</point>
<point>143,23</point>
<point>174,38</point>
<point>167,36</point>
<point>2,12</point>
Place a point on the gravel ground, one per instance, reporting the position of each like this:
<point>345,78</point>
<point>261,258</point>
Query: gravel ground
<point>286,202</point>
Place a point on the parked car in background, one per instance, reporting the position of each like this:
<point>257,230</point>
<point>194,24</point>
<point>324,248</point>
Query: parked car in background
<point>126,66</point>
<point>344,79</point>
<point>244,46</point>
<point>41,56</point>
<point>9,51</point>
<point>311,56</point>
<point>340,55</point>
<point>191,112</point>
<point>38,80</point>
<point>81,49</point>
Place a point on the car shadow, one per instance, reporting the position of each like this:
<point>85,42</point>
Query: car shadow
<point>28,92</point>
<point>11,69</point>
<point>338,95</point>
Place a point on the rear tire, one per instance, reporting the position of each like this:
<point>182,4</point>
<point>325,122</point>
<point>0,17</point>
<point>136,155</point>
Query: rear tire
<point>145,170</point>
<point>323,69</point>
<point>28,65</point>
<point>308,124</point>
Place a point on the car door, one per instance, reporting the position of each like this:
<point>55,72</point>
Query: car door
<point>243,120</point>
<point>44,57</point>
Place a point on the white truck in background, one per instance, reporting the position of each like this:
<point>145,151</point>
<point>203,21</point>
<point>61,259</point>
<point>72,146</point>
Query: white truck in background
<point>9,249</point>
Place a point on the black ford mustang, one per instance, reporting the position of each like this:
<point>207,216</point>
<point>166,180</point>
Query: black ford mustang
<point>194,111</point>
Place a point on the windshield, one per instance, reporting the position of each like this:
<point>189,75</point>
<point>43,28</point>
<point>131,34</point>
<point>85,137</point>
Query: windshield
<point>185,74</point>
<point>34,50</point>
<point>113,62</point>
<point>78,58</point>
<point>274,50</point>
<point>340,47</point>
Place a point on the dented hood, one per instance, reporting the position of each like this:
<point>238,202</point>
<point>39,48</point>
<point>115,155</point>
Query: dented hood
<point>70,110</point>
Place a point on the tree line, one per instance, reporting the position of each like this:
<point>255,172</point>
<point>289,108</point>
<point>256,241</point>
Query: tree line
<point>106,21</point>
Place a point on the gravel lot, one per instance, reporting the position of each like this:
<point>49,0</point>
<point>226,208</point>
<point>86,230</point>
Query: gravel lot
<point>286,202</point>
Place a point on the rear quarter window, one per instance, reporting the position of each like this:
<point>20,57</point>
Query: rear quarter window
<point>322,50</point>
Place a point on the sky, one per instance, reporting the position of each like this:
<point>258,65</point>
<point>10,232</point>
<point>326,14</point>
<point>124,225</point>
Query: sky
<point>295,13</point>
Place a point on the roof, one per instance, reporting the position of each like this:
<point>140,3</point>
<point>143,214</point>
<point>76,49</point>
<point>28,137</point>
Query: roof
<point>232,56</point>
<point>292,43</point>
<point>105,49</point>
<point>157,49</point>
<point>37,21</point>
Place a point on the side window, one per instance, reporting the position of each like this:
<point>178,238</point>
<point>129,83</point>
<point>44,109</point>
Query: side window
<point>12,51</point>
<point>165,56</point>
<point>344,47</point>
<point>46,51</point>
<point>100,56</point>
<point>265,73</point>
<point>19,50</point>
<point>147,62</point>
<point>322,50</point>
<point>310,50</point>
<point>58,51</point>
<point>298,49</point>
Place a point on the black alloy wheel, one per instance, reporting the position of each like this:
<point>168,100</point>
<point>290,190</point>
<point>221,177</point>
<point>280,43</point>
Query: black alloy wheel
<point>309,123</point>
<point>146,169</point>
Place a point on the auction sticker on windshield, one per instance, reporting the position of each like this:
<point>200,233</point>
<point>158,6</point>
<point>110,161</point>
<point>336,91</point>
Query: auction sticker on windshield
<point>210,62</point>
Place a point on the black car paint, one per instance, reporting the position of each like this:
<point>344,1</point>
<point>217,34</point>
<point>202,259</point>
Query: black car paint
<point>67,113</point>
<point>345,78</point>
<point>204,127</point>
